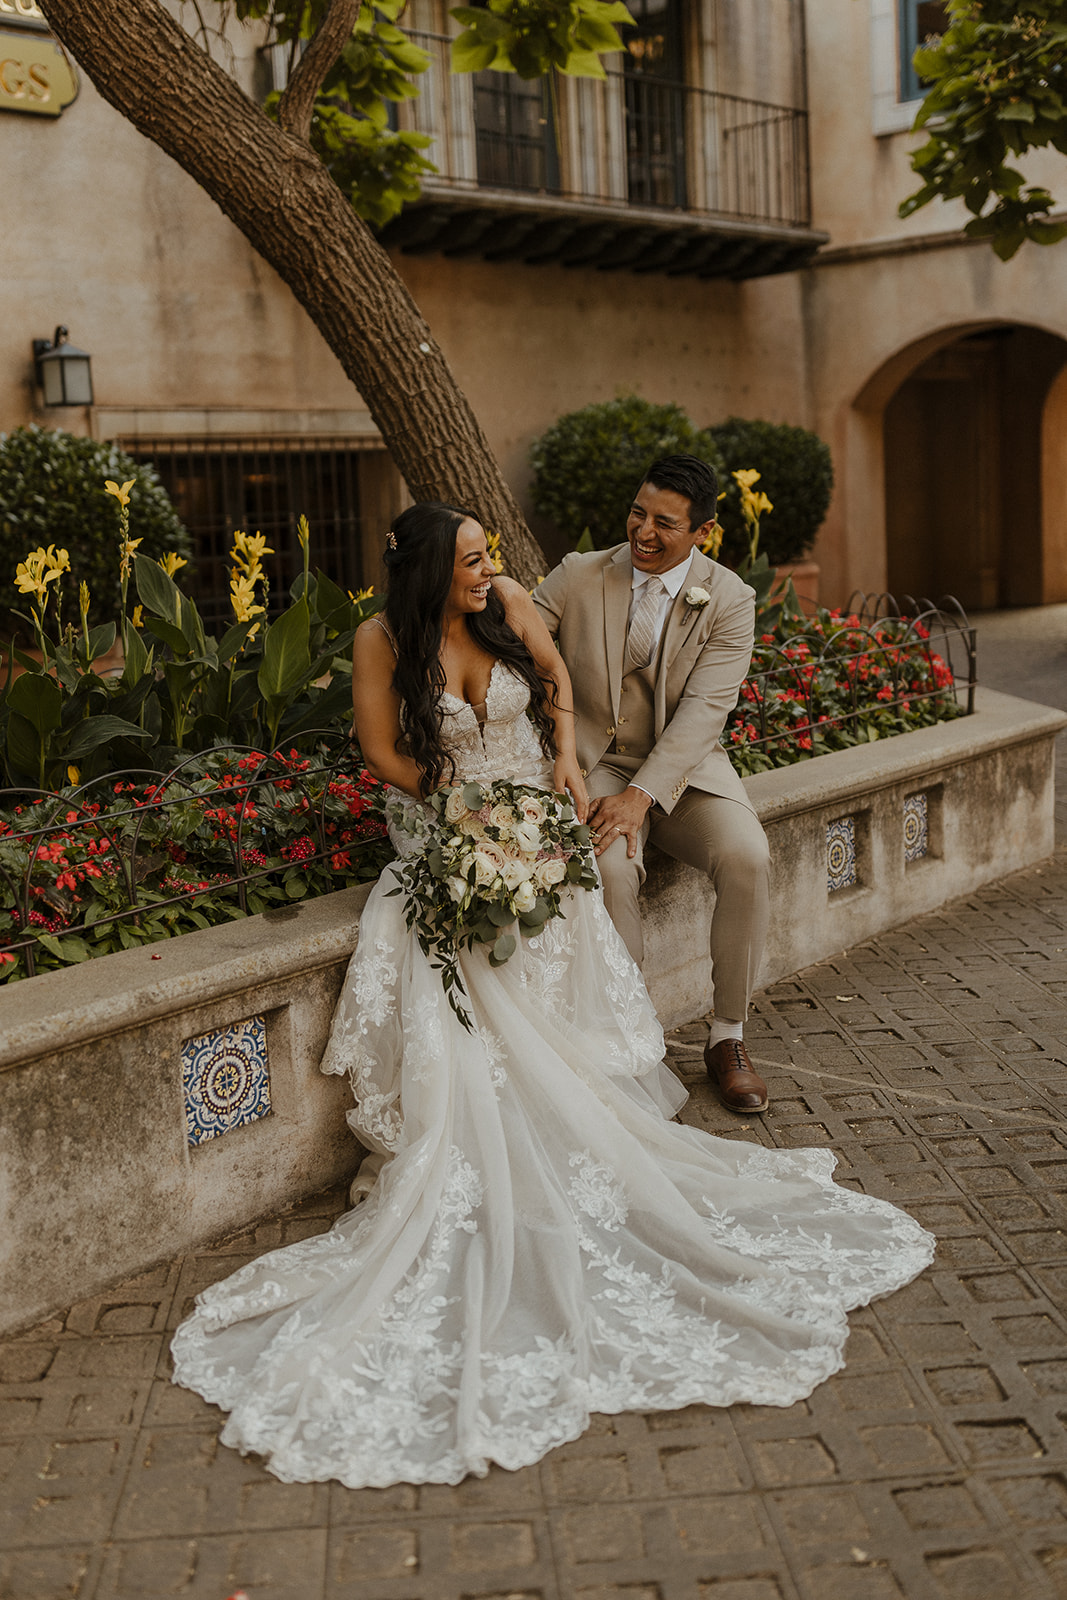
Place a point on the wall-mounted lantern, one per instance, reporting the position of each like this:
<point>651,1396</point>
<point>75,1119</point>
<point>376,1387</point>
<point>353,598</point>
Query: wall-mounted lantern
<point>63,371</point>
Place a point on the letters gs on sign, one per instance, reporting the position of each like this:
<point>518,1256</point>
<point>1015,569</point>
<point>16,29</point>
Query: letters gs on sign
<point>35,75</point>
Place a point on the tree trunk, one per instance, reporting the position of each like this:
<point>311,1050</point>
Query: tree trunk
<point>274,188</point>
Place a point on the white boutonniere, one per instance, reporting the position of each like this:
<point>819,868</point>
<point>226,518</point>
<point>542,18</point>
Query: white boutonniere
<point>696,597</point>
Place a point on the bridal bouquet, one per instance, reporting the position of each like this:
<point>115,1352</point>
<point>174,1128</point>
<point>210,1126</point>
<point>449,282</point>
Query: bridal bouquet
<point>489,857</point>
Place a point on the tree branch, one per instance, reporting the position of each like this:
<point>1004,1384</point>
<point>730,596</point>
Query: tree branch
<point>278,193</point>
<point>298,99</point>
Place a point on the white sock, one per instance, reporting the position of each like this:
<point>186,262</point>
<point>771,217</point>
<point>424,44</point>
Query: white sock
<point>722,1028</point>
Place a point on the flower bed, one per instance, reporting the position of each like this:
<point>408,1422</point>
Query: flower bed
<point>832,679</point>
<point>122,863</point>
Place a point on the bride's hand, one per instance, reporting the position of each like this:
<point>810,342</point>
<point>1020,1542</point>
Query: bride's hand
<point>567,777</point>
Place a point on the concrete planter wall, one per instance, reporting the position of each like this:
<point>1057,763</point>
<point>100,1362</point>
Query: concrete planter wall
<point>157,1098</point>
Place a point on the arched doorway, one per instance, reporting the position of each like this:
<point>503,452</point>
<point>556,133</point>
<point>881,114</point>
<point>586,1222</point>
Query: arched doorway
<point>970,459</point>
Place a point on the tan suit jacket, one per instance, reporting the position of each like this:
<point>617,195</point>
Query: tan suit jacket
<point>703,661</point>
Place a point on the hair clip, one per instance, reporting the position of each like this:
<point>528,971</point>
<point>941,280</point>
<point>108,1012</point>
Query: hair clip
<point>390,539</point>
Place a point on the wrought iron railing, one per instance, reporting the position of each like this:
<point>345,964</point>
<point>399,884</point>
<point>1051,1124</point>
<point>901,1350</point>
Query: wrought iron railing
<point>110,852</point>
<point>629,140</point>
<point>835,679</point>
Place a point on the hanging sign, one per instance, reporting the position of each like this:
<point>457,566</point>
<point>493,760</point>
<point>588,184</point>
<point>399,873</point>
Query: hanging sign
<point>35,75</point>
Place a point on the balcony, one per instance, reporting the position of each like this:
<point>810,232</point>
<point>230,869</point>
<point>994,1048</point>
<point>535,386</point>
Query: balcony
<point>638,174</point>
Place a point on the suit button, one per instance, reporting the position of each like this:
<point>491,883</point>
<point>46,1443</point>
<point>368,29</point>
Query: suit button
<point>621,749</point>
<point>609,731</point>
<point>621,721</point>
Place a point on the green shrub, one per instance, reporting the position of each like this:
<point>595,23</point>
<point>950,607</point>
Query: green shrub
<point>52,492</point>
<point>589,464</point>
<point>796,474</point>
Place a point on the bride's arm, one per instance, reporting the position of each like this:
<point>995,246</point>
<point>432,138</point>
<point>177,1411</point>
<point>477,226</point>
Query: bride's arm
<point>524,617</point>
<point>376,709</point>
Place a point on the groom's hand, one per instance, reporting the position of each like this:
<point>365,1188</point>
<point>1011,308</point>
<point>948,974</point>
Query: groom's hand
<point>617,816</point>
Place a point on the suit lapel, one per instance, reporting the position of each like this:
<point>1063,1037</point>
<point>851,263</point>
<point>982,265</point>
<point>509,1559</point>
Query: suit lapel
<point>681,619</point>
<point>618,585</point>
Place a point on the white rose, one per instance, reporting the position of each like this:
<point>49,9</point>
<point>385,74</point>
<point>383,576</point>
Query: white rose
<point>489,862</point>
<point>531,810</point>
<point>697,597</point>
<point>528,837</point>
<point>502,817</point>
<point>457,888</point>
<point>472,827</point>
<point>455,807</point>
<point>550,872</point>
<point>525,897</point>
<point>514,872</point>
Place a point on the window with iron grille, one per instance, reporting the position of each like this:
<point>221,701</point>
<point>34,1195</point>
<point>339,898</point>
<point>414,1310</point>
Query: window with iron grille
<point>654,71</point>
<point>261,486</point>
<point>515,132</point>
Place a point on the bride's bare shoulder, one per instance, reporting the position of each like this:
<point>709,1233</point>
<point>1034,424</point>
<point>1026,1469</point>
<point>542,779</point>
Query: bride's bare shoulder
<point>373,645</point>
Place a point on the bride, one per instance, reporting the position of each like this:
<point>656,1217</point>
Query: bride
<point>539,1240</point>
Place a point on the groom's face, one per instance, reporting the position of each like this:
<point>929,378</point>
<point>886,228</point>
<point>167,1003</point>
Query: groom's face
<point>658,529</point>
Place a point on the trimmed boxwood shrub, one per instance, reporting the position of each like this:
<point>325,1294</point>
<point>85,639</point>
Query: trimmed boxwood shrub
<point>52,492</point>
<point>796,474</point>
<point>589,464</point>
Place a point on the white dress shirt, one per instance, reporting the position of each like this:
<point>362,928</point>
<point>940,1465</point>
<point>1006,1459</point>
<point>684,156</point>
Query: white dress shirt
<point>672,581</point>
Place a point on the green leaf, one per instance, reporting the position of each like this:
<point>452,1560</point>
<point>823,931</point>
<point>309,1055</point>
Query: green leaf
<point>502,949</point>
<point>24,746</point>
<point>473,796</point>
<point>286,656</point>
<point>39,699</point>
<point>98,730</point>
<point>138,662</point>
<point>471,54</point>
<point>156,592</point>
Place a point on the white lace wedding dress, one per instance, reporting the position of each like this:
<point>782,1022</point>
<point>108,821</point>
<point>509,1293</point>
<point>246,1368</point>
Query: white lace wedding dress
<point>542,1242</point>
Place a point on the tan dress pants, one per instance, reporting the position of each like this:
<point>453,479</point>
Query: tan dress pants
<point>719,837</point>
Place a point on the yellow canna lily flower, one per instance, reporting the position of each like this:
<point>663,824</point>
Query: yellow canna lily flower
<point>713,543</point>
<point>243,597</point>
<point>171,562</point>
<point>138,617</point>
<point>303,533</point>
<point>73,774</point>
<point>249,548</point>
<point>746,478</point>
<point>121,492</point>
<point>361,594</point>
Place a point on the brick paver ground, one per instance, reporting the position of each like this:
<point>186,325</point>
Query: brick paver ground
<point>934,1062</point>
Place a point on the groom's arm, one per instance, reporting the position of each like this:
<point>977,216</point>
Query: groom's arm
<point>550,596</point>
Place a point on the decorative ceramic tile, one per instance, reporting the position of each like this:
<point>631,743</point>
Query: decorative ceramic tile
<point>916,827</point>
<point>841,854</point>
<point>227,1083</point>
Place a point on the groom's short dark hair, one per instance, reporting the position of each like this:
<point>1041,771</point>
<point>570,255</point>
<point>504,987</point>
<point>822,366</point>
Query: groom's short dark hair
<point>691,477</point>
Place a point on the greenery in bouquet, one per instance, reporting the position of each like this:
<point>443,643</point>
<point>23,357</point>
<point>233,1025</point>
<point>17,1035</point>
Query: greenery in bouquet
<point>74,865</point>
<point>825,682</point>
<point>488,858</point>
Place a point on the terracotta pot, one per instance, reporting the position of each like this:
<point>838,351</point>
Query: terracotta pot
<point>805,576</point>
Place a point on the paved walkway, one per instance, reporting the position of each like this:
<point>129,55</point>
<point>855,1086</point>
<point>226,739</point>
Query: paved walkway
<point>934,1062</point>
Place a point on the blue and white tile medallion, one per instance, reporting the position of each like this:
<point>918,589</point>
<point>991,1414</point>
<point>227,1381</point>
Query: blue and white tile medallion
<point>841,854</point>
<point>916,827</point>
<point>227,1082</point>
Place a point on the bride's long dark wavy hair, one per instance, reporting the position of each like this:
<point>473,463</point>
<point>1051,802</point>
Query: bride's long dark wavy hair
<point>420,558</point>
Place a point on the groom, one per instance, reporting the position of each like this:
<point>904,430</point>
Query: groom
<point>657,639</point>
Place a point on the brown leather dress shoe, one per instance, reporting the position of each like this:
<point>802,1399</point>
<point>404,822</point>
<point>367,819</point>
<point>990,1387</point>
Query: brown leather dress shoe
<point>740,1087</point>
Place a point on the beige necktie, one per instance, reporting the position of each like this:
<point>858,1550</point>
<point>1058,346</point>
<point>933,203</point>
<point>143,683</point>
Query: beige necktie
<point>642,632</point>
